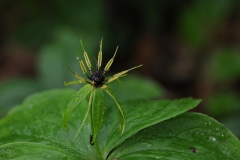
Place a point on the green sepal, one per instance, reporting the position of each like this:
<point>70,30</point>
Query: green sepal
<point>97,111</point>
<point>75,102</point>
<point>122,119</point>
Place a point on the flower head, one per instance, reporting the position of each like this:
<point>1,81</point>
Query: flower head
<point>96,82</point>
<point>96,77</point>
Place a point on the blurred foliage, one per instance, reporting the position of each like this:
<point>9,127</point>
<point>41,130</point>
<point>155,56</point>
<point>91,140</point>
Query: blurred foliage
<point>197,21</point>
<point>223,103</point>
<point>40,19</point>
<point>55,57</point>
<point>13,92</point>
<point>226,65</point>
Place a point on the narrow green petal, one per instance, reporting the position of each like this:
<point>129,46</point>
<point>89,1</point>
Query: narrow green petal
<point>86,56</point>
<point>85,117</point>
<point>99,62</point>
<point>76,75</point>
<point>73,82</point>
<point>121,74</point>
<point>87,60</point>
<point>97,111</point>
<point>122,119</point>
<point>74,103</point>
<point>108,65</point>
<point>124,72</point>
<point>83,67</point>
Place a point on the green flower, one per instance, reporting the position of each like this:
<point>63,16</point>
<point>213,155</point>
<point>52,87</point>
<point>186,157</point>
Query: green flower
<point>96,83</point>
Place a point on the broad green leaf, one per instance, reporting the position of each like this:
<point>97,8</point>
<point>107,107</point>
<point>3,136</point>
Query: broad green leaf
<point>187,136</point>
<point>75,102</point>
<point>97,111</point>
<point>33,130</point>
<point>139,115</point>
<point>36,124</point>
<point>30,150</point>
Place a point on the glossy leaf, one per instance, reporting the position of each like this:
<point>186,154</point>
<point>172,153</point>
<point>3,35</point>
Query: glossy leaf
<point>75,102</point>
<point>187,136</point>
<point>30,150</point>
<point>34,130</point>
<point>139,115</point>
<point>97,111</point>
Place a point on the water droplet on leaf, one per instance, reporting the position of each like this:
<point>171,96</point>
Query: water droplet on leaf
<point>76,99</point>
<point>213,139</point>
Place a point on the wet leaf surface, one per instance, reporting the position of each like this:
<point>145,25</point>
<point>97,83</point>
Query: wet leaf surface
<point>187,136</point>
<point>34,130</point>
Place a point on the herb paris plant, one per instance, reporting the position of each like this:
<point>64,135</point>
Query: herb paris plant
<point>96,82</point>
<point>157,129</point>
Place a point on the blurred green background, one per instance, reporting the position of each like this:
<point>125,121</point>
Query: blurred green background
<point>188,48</point>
